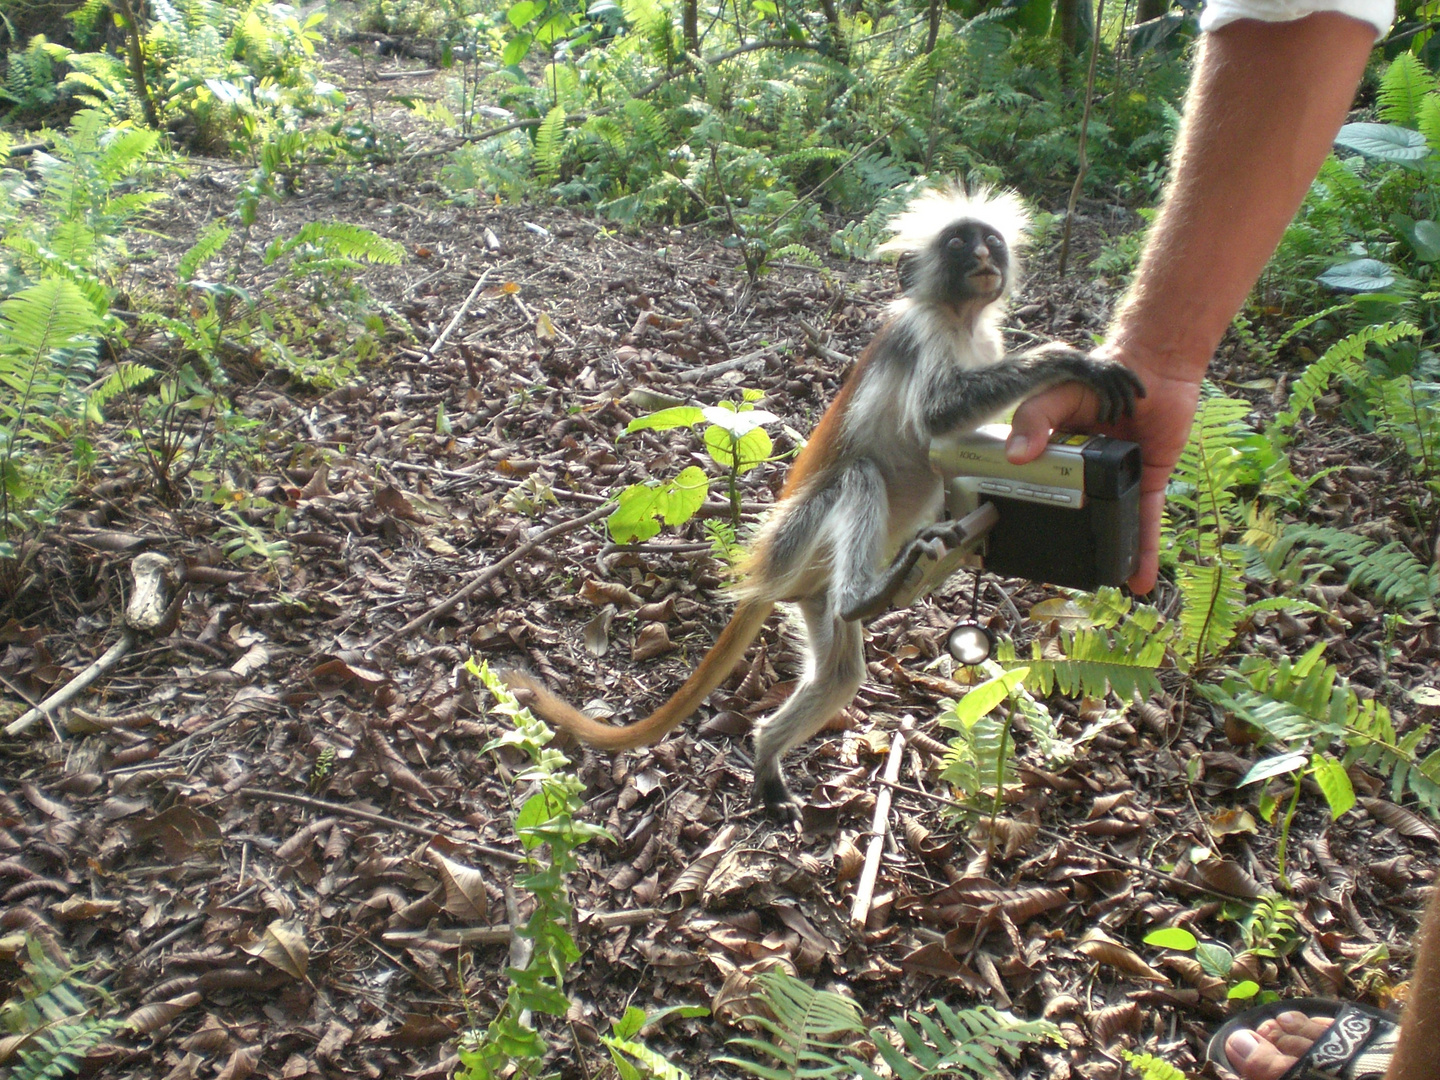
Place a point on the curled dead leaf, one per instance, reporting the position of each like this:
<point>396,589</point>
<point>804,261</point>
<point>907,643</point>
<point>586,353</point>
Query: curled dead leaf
<point>149,1018</point>
<point>600,593</point>
<point>848,859</point>
<point>241,1064</point>
<point>652,641</point>
<point>1401,820</point>
<point>694,877</point>
<point>1225,876</point>
<point>919,840</point>
<point>1104,950</point>
<point>596,633</point>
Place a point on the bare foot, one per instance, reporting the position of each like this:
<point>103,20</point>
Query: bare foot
<point>1274,1046</point>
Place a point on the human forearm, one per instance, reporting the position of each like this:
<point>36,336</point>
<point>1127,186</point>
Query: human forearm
<point>1418,1056</point>
<point>1264,106</point>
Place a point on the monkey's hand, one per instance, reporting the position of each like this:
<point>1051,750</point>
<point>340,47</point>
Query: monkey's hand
<point>1116,386</point>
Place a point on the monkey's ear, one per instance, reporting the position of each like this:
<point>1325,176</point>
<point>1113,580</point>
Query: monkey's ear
<point>908,269</point>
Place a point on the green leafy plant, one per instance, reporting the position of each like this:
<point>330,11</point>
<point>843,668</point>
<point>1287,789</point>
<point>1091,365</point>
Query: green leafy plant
<point>809,1030</point>
<point>549,832</point>
<point>1150,1067</point>
<point>734,437</point>
<point>47,353</point>
<point>1313,714</point>
<point>632,1059</point>
<point>53,1007</point>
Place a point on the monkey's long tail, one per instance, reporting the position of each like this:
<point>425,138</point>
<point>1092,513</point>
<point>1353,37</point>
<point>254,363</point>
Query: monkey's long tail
<point>715,668</point>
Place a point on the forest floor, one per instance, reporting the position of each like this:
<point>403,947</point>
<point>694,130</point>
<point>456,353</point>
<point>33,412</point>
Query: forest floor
<point>243,818</point>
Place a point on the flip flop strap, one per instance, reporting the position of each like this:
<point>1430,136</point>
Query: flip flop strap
<point>1356,1046</point>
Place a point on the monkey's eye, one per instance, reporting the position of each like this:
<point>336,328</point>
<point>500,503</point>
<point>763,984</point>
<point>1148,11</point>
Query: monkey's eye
<point>955,243</point>
<point>994,241</point>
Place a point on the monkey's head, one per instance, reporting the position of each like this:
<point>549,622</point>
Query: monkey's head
<point>957,249</point>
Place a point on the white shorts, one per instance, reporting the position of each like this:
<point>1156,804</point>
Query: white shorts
<point>1217,13</point>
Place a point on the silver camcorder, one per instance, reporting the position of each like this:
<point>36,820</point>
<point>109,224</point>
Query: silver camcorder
<point>1070,518</point>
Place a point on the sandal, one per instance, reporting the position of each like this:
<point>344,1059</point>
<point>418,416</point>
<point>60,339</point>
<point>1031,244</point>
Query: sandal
<point>1357,1045</point>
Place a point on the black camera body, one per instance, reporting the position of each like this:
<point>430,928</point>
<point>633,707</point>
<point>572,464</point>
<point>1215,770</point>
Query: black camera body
<point>1070,518</point>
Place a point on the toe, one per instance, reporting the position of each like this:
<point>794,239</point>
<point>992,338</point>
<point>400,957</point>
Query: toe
<point>1255,1058</point>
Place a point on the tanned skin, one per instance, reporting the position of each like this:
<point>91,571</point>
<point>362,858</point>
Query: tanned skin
<point>863,488</point>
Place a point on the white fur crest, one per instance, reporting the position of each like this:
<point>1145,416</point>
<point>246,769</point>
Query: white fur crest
<point>928,214</point>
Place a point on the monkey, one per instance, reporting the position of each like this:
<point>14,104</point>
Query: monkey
<point>862,491</point>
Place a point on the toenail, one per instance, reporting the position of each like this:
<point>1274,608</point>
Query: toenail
<point>1242,1044</point>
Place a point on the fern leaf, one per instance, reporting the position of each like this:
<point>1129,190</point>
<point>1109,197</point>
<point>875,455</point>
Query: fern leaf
<point>548,139</point>
<point>1402,87</point>
<point>1214,597</point>
<point>1428,120</point>
<point>964,1045</point>
<point>1341,358</point>
<point>205,248</point>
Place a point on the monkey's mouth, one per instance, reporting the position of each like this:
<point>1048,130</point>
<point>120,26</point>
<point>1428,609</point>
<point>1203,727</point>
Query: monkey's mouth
<point>984,279</point>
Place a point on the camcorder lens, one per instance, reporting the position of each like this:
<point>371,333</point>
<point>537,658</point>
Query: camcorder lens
<point>970,643</point>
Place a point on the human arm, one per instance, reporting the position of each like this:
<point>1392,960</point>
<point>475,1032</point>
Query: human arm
<point>1264,105</point>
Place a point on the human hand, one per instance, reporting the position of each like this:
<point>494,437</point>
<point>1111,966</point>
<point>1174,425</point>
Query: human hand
<point>1160,424</point>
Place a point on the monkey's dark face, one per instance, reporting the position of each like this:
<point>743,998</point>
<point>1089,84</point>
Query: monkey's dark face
<point>969,260</point>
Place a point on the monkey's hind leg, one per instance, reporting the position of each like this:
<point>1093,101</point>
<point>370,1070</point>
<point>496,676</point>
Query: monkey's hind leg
<point>834,670</point>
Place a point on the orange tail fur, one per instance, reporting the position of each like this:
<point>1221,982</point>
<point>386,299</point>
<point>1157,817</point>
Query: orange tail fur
<point>715,668</point>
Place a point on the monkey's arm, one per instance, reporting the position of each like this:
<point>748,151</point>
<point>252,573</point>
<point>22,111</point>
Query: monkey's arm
<point>964,398</point>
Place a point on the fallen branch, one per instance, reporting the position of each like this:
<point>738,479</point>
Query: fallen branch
<point>345,810</point>
<point>879,825</point>
<point>481,577</point>
<point>756,359</point>
<point>439,342</point>
<point>71,690</point>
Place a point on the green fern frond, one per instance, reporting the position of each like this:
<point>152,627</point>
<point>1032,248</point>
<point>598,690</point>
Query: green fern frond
<point>58,1051</point>
<point>337,239</point>
<point>1428,120</point>
<point>1342,358</point>
<point>1096,662</point>
<point>1394,574</point>
<point>1214,598</point>
<point>127,376</point>
<point>1150,1067</point>
<point>808,1027</point>
<point>549,137</point>
<point>1404,84</point>
<point>964,1045</point>
<point>207,245</point>
<point>797,253</point>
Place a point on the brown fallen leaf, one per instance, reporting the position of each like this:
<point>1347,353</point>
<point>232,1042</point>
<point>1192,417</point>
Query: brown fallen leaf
<point>241,1064</point>
<point>652,641</point>
<point>465,895</point>
<point>1104,950</point>
<point>1225,876</point>
<point>1401,820</point>
<point>283,946</point>
<point>149,1018</point>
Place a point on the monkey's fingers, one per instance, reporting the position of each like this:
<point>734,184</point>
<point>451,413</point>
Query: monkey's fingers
<point>1118,388</point>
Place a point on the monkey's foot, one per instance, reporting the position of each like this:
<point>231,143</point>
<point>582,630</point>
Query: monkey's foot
<point>1116,386</point>
<point>778,800</point>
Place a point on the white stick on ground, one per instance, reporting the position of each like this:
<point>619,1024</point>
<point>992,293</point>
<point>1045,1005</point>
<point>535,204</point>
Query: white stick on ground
<point>865,888</point>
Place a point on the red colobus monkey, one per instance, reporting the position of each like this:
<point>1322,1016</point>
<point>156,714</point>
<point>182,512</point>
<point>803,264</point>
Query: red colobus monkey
<point>863,489</point>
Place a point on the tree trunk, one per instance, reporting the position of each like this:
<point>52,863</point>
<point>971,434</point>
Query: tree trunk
<point>837,38</point>
<point>690,26</point>
<point>135,47</point>
<point>1151,9</point>
<point>934,31</point>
